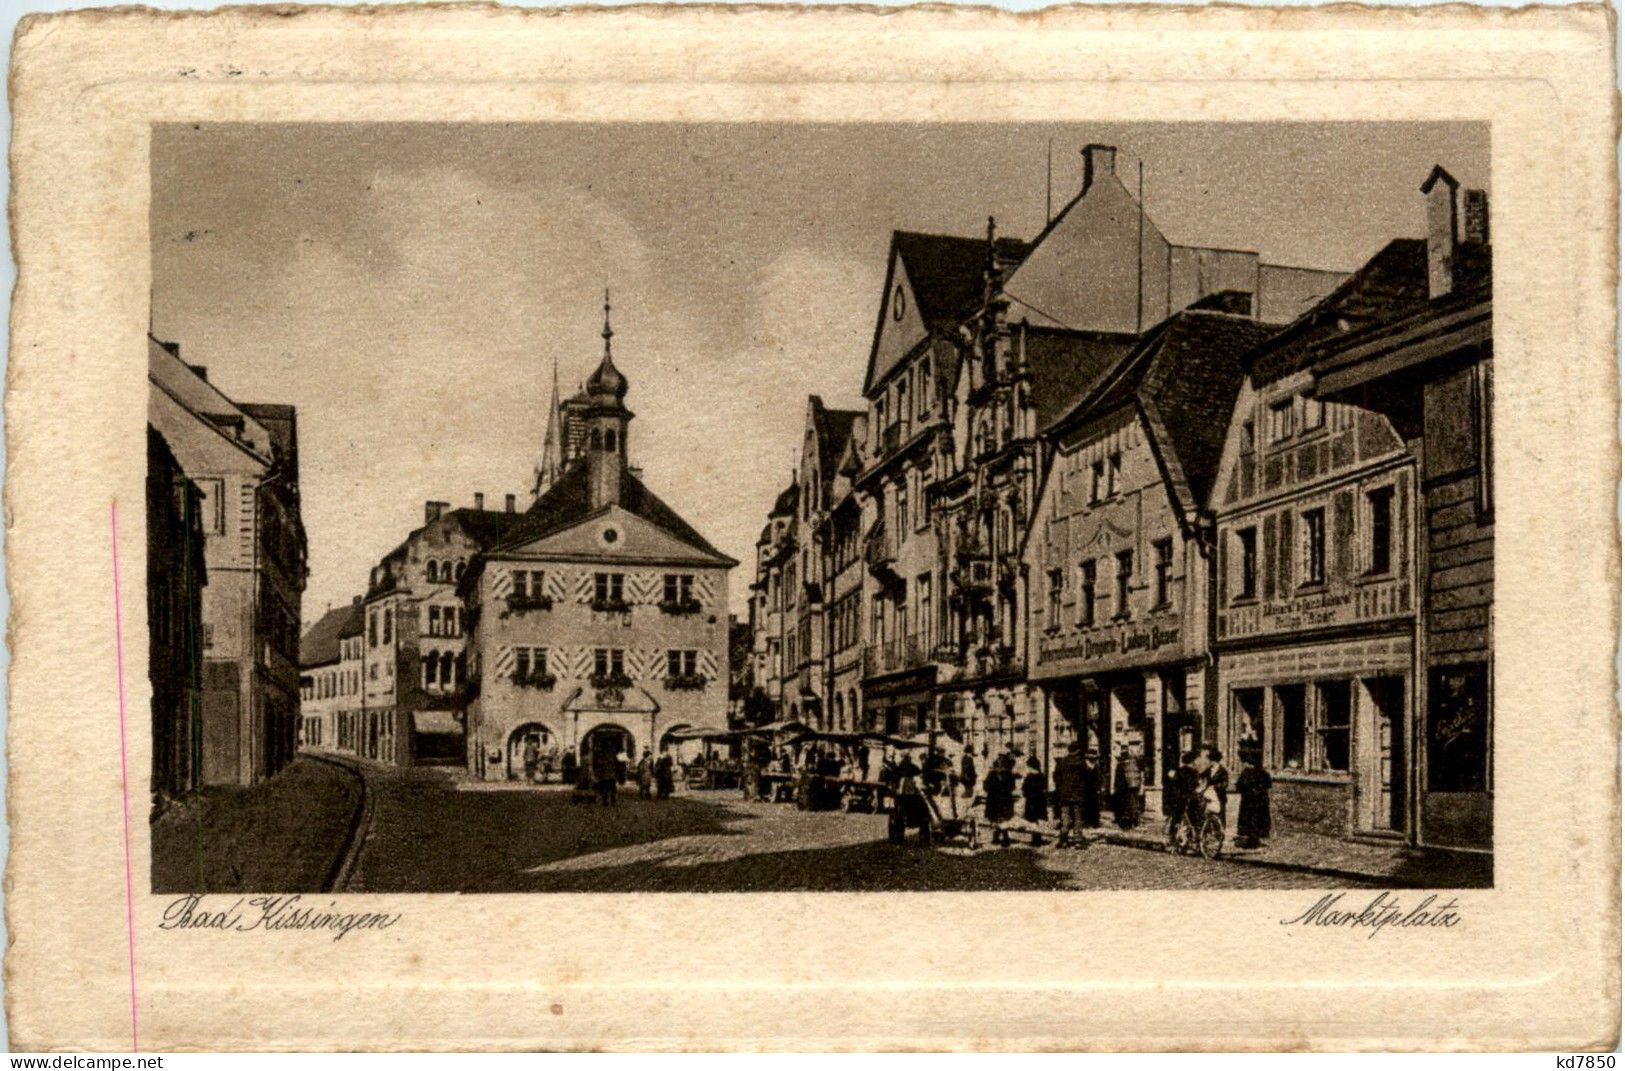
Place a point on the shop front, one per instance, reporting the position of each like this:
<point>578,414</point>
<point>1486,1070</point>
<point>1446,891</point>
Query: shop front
<point>1130,691</point>
<point>901,705</point>
<point>1331,722</point>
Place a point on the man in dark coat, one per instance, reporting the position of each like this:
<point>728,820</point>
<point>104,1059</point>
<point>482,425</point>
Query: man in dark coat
<point>664,780</point>
<point>1069,793</point>
<point>1089,775</point>
<point>967,771</point>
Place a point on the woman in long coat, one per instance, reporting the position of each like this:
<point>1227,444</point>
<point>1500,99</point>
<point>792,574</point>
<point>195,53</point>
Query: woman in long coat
<point>1000,789</point>
<point>1253,786</point>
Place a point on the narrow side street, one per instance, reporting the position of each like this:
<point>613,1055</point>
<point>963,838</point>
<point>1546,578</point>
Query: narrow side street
<point>427,835</point>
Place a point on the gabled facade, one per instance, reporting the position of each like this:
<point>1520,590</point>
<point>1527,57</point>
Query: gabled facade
<point>415,650</point>
<point>599,623</point>
<point>1119,552</point>
<point>1316,575</point>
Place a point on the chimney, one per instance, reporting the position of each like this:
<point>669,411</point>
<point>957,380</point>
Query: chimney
<point>1098,160</point>
<point>1440,191</point>
<point>1475,218</point>
<point>432,511</point>
<point>479,500</point>
<point>507,503</point>
<point>356,601</point>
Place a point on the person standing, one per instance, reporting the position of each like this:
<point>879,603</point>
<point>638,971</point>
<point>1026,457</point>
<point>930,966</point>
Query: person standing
<point>1035,799</point>
<point>1128,799</point>
<point>1069,795</point>
<point>533,755</point>
<point>646,776</point>
<point>605,771</point>
<point>663,776</point>
<point>1253,785</point>
<point>623,763</point>
<point>1090,776</point>
<point>1218,779</point>
<point>569,767</point>
<point>967,771</point>
<point>1000,790</point>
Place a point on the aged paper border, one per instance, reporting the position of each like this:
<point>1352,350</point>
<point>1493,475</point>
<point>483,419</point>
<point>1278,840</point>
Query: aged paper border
<point>1535,964</point>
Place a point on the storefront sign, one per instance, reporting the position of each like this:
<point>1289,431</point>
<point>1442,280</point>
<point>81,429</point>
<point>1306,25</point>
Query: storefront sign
<point>1110,645</point>
<point>1348,605</point>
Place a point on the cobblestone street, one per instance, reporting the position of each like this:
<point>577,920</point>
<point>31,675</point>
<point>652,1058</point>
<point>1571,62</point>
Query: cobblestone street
<point>427,835</point>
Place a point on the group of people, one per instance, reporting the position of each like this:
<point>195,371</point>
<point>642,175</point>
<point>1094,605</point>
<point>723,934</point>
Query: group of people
<point>1074,801</point>
<point>600,778</point>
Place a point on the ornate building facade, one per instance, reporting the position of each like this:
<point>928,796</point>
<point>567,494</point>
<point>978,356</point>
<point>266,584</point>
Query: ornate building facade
<point>599,622</point>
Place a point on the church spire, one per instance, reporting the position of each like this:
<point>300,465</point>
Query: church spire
<point>553,444</point>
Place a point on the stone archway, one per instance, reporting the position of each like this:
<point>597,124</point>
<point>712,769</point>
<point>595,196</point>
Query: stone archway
<point>604,742</point>
<point>546,743</point>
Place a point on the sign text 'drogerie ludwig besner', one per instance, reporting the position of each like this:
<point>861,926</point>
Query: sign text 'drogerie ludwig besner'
<point>266,914</point>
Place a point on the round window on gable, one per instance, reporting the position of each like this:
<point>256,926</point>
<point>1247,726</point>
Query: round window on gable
<point>898,302</point>
<point>609,535</point>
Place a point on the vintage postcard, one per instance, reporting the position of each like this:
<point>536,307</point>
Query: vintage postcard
<point>1091,529</point>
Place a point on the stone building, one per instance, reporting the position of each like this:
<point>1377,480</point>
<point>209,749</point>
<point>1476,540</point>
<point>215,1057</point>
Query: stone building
<point>244,460</point>
<point>1120,550</point>
<point>599,623</point>
<point>772,613</point>
<point>176,575</point>
<point>1428,369</point>
<point>415,648</point>
<point>1315,599</point>
<point>330,673</point>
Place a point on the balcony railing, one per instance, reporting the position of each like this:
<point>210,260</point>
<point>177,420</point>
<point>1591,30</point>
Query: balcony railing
<point>879,550</point>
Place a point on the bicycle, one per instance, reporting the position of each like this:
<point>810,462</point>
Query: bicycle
<point>1204,837</point>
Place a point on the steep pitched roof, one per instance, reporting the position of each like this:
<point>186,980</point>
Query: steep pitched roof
<point>569,502</point>
<point>320,643</point>
<point>486,527</point>
<point>833,428</point>
<point>789,498</point>
<point>1183,376</point>
<point>1390,284</point>
<point>1066,363</point>
<point>947,274</point>
<point>946,271</point>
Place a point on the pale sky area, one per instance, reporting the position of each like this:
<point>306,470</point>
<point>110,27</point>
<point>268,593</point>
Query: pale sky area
<point>408,287</point>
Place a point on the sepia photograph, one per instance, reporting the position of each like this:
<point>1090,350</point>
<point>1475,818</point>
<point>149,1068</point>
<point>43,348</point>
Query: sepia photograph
<point>794,507</point>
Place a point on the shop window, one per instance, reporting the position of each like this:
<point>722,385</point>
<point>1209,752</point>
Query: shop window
<point>1247,563</point>
<point>1333,725</point>
<point>1458,728</point>
<point>1289,702</point>
<point>1380,514</point>
<point>1248,719</point>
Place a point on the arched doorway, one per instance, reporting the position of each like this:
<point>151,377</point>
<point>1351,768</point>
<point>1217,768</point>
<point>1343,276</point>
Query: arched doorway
<point>603,744</point>
<point>546,747</point>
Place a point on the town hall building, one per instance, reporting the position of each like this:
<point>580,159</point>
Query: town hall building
<point>599,623</point>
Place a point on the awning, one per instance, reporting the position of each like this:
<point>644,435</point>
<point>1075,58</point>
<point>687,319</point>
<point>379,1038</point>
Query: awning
<point>436,721</point>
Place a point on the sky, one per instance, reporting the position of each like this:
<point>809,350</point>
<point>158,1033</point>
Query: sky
<point>409,287</point>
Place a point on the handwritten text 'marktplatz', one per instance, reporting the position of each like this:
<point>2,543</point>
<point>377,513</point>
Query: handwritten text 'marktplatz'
<point>1381,913</point>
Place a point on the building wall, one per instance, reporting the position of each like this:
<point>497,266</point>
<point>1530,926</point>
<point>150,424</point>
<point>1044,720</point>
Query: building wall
<point>1317,671</point>
<point>1456,764</point>
<point>175,579</point>
<point>570,631</point>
